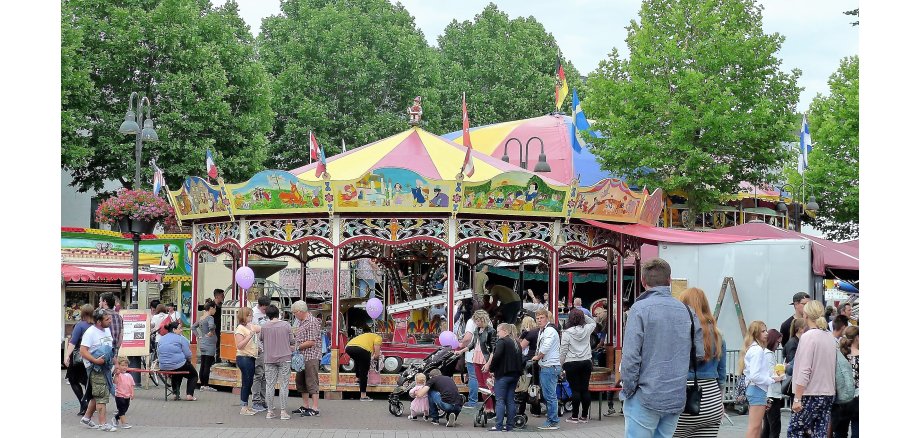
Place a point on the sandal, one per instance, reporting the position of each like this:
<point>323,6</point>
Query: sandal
<point>190,398</point>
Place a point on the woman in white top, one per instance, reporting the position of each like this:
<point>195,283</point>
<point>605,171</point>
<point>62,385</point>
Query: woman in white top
<point>771,421</point>
<point>759,375</point>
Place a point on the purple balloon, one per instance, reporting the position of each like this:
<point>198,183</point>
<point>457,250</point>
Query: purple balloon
<point>245,277</point>
<point>448,339</point>
<point>374,307</point>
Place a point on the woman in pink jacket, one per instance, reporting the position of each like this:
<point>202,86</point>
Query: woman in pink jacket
<point>813,376</point>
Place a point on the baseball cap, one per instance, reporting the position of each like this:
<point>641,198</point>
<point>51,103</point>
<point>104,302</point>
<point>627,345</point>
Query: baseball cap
<point>798,296</point>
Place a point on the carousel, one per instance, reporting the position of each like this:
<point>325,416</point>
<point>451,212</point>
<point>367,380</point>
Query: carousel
<point>405,203</point>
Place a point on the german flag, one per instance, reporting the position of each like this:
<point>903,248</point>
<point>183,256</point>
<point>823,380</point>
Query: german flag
<point>562,87</point>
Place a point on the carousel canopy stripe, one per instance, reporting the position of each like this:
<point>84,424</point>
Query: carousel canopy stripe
<point>415,149</point>
<point>655,234</point>
<point>83,273</point>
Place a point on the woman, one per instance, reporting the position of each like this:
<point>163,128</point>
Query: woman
<point>575,355</point>
<point>529,334</point>
<point>796,329</point>
<point>207,344</point>
<point>246,353</point>
<point>505,363</point>
<point>76,371</point>
<point>759,375</point>
<point>175,354</point>
<point>771,424</point>
<point>155,321</point>
<point>813,376</point>
<point>482,345</point>
<point>846,416</point>
<point>710,372</point>
<point>277,345</point>
<point>362,349</point>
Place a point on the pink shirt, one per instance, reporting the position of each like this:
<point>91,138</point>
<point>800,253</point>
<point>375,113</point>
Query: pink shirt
<point>124,385</point>
<point>815,363</point>
<point>418,404</point>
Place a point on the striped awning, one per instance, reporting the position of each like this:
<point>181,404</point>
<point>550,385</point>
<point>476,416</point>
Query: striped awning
<point>86,273</point>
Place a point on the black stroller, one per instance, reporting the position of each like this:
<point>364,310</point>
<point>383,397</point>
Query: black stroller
<point>521,399</point>
<point>443,359</point>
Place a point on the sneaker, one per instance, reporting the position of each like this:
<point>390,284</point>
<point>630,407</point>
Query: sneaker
<point>366,399</point>
<point>107,427</point>
<point>470,405</point>
<point>583,420</point>
<point>413,418</point>
<point>88,422</point>
<point>301,410</point>
<point>610,412</point>
<point>435,422</point>
<point>285,416</point>
<point>259,407</point>
<point>451,419</point>
<point>571,420</point>
<point>549,426</point>
<point>270,415</point>
<point>310,413</point>
<point>246,410</point>
<point>125,426</point>
<point>208,388</point>
<point>490,415</point>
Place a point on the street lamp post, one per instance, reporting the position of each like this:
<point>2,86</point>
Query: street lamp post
<point>132,125</point>
<point>799,208</point>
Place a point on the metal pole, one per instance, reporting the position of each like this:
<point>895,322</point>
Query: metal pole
<point>138,143</point>
<point>136,237</point>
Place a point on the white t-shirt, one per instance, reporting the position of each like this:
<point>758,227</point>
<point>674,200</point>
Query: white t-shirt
<point>155,322</point>
<point>93,337</point>
<point>258,318</point>
<point>471,329</point>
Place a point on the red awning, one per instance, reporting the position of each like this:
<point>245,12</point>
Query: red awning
<point>85,273</point>
<point>825,253</point>
<point>654,235</point>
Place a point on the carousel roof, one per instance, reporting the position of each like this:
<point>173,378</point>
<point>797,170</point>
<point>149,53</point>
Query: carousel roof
<point>414,149</point>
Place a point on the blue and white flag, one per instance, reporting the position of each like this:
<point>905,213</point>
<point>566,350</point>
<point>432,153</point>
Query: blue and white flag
<point>804,145</point>
<point>159,181</point>
<point>580,122</point>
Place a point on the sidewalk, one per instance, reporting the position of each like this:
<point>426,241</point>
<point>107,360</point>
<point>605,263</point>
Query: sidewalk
<point>216,414</point>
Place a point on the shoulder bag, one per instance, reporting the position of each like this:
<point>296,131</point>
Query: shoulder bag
<point>845,389</point>
<point>694,392</point>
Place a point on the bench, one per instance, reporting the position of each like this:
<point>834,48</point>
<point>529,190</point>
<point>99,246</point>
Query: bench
<point>600,388</point>
<point>167,388</point>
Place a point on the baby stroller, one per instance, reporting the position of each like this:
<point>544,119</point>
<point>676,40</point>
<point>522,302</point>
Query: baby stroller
<point>443,359</point>
<point>564,395</point>
<point>521,398</point>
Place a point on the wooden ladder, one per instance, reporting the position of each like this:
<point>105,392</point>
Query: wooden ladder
<point>726,282</point>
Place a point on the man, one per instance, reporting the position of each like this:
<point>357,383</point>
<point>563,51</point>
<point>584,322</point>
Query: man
<point>218,305</point>
<point>799,300</point>
<point>479,286</point>
<point>576,303</point>
<point>107,302</point>
<point>258,380</point>
<point>547,357</point>
<point>534,304</point>
<point>97,351</point>
<point>838,325</point>
<point>845,310</point>
<point>511,301</point>
<point>307,336</point>
<point>442,394</point>
<point>366,273</point>
<point>153,307</point>
<point>656,356</point>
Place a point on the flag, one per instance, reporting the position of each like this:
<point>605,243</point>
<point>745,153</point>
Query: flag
<point>580,122</point>
<point>468,168</point>
<point>321,156</point>
<point>209,164</point>
<point>314,147</point>
<point>804,145</point>
<point>562,87</point>
<point>158,180</point>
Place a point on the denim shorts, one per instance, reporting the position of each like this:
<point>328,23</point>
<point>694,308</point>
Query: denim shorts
<point>756,396</point>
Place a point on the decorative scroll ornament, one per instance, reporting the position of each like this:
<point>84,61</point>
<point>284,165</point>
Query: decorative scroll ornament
<point>218,231</point>
<point>395,229</point>
<point>511,254</point>
<point>505,231</point>
<point>304,251</point>
<point>588,236</point>
<point>575,253</point>
<point>290,229</point>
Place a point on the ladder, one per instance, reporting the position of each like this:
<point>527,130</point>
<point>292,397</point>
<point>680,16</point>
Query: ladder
<point>726,282</point>
<point>427,302</point>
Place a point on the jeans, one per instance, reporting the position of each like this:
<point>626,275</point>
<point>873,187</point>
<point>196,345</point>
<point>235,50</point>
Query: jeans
<point>247,366</point>
<point>258,381</point>
<point>504,404</point>
<point>435,403</point>
<point>646,423</point>
<point>843,416</point>
<point>364,286</point>
<point>204,373</point>
<point>549,378</point>
<point>277,373</point>
<point>473,383</point>
<point>771,419</point>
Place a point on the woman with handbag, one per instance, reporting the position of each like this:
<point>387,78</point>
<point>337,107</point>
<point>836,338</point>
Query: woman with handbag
<point>771,421</point>
<point>710,372</point>
<point>505,363</point>
<point>482,345</point>
<point>759,375</point>
<point>813,378</point>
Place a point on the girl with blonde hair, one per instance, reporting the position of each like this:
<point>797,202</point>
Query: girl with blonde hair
<point>710,372</point>
<point>813,376</point>
<point>758,371</point>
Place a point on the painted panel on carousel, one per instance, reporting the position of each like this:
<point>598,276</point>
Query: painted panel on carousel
<point>651,208</point>
<point>393,189</point>
<point>609,199</point>
<point>198,199</point>
<point>513,193</point>
<point>276,191</point>
<point>100,248</point>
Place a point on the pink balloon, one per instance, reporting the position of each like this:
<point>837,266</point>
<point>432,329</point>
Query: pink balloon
<point>448,339</point>
<point>374,307</point>
<point>245,277</point>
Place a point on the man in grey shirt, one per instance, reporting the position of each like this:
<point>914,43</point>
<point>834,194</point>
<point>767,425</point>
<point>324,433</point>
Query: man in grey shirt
<point>656,356</point>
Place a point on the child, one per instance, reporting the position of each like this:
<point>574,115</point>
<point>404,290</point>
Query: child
<point>419,404</point>
<point>124,392</point>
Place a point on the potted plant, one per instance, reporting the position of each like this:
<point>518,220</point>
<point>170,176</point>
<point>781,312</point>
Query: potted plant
<point>135,211</point>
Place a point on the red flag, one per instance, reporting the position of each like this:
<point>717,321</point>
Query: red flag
<point>314,147</point>
<point>468,160</point>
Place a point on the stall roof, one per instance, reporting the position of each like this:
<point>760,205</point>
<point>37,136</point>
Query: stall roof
<point>84,273</point>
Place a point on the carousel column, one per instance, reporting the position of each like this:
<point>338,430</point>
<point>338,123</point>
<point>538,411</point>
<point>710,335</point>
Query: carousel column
<point>234,265</point>
<point>451,269</point>
<point>336,285</point>
<point>194,274</point>
<point>244,260</point>
<point>554,285</point>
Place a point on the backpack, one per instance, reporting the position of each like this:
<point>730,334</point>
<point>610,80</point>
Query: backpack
<point>161,330</point>
<point>844,382</point>
<point>741,390</point>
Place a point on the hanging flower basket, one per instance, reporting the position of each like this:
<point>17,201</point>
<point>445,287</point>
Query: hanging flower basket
<point>135,211</point>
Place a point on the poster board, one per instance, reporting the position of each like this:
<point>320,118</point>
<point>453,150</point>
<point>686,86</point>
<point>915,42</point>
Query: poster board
<point>678,285</point>
<point>135,338</point>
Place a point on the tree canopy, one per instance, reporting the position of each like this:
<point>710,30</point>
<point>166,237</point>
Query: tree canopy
<point>701,100</point>
<point>197,65</point>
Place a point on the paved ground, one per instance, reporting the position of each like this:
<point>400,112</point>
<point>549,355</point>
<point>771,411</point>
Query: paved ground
<point>216,414</point>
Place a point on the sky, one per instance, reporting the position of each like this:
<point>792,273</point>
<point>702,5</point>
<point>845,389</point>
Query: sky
<point>818,34</point>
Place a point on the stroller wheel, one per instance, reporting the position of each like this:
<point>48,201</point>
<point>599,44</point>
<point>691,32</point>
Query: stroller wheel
<point>480,419</point>
<point>520,421</point>
<point>396,408</point>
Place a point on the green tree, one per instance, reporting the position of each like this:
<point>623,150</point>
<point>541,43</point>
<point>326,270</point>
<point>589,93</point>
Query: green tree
<point>833,164</point>
<point>198,66</point>
<point>346,70</point>
<point>506,68</point>
<point>701,100</point>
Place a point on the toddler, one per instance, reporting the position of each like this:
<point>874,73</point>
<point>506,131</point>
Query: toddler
<point>419,404</point>
<point>124,392</point>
